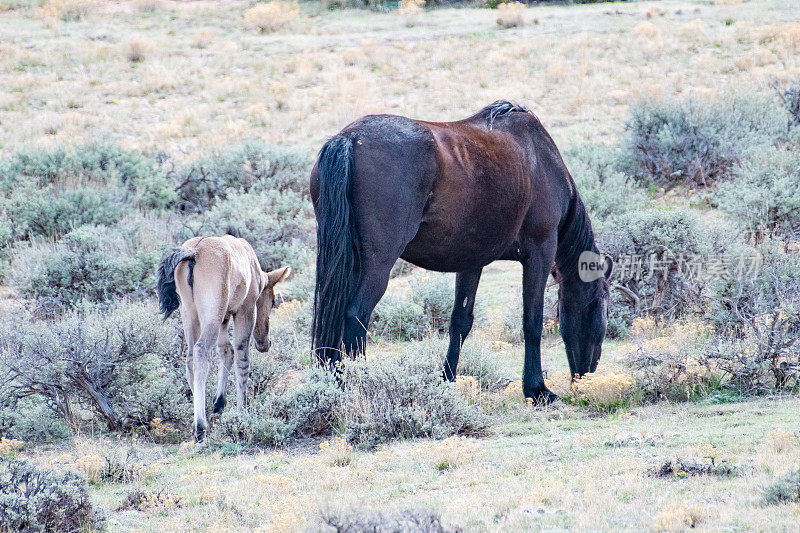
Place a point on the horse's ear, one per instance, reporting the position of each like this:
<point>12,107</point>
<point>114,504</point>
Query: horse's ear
<point>609,268</point>
<point>276,276</point>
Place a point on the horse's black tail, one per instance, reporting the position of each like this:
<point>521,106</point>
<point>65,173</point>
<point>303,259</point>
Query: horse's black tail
<point>167,295</point>
<point>338,247</point>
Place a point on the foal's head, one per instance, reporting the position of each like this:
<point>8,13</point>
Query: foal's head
<point>583,312</point>
<point>264,305</point>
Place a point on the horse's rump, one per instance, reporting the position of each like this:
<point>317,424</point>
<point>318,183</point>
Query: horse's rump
<point>167,294</point>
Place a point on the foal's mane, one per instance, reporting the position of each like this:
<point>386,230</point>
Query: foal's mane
<point>575,236</point>
<point>499,109</point>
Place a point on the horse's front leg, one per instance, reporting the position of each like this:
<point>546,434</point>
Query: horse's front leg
<point>462,318</point>
<point>535,270</point>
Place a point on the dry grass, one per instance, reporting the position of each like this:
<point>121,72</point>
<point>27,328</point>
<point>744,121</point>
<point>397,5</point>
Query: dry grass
<point>67,10</point>
<point>271,16</point>
<point>207,73</point>
<point>149,6</point>
<point>410,10</point>
<point>511,14</point>
<point>135,50</point>
<point>604,390</point>
<point>10,446</point>
<point>646,30</point>
<point>679,517</point>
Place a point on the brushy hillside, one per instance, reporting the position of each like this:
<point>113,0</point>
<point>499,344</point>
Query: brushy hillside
<point>130,128</point>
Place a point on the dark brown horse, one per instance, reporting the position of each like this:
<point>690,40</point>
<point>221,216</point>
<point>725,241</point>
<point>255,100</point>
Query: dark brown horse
<point>453,197</point>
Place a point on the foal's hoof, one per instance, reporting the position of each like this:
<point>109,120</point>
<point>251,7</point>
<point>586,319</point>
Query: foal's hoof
<point>219,405</point>
<point>541,397</point>
<point>199,433</point>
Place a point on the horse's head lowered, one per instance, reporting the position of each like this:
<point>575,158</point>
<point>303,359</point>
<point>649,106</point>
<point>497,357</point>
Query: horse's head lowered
<point>265,304</point>
<point>583,312</point>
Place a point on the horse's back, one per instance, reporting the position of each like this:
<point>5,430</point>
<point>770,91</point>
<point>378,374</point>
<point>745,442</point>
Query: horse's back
<point>224,275</point>
<point>457,194</point>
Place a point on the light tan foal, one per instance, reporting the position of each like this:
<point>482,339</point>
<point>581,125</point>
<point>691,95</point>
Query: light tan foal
<point>219,279</point>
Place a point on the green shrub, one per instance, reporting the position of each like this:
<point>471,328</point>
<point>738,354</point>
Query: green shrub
<point>106,164</point>
<point>399,319</point>
<point>757,317</point>
<point>275,418</point>
<point>267,372</point>
<point>95,263</point>
<point>29,419</point>
<point>655,253</point>
<point>371,401</point>
<point>251,166</point>
<point>479,361</point>
<point>697,143</point>
<point>37,167</point>
<point>368,519</point>
<point>784,490</point>
<point>790,96</point>
<point>261,424</point>
<point>118,364</point>
<point>37,500</point>
<point>605,191</point>
<point>52,214</point>
<point>763,196</point>
<point>313,408</point>
<point>403,397</point>
<point>100,164</point>
<point>276,223</point>
<point>436,295</point>
<point>300,285</point>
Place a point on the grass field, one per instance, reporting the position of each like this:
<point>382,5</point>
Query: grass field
<point>205,79</point>
<point>185,77</point>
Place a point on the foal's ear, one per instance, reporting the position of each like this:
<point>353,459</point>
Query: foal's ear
<point>609,268</point>
<point>276,276</point>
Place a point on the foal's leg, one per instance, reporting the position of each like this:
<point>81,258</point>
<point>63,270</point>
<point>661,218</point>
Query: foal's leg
<point>243,324</point>
<point>202,365</point>
<point>191,331</point>
<point>462,317</point>
<point>535,270</point>
<point>225,350</point>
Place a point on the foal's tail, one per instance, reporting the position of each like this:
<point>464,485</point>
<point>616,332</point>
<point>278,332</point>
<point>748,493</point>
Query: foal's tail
<point>338,247</point>
<point>167,295</point>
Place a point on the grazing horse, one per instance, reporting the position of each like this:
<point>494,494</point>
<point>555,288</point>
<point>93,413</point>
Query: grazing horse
<point>218,278</point>
<point>453,197</point>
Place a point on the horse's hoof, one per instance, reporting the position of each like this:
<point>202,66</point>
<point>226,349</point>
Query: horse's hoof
<point>541,397</point>
<point>219,405</point>
<point>199,433</point>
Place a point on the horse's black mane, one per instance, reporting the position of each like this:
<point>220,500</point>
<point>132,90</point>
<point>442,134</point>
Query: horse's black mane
<point>575,236</point>
<point>499,109</point>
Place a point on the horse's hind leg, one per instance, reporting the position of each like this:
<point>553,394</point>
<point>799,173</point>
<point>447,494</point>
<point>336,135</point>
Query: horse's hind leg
<point>462,317</point>
<point>375,278</point>
<point>225,351</point>
<point>243,324</point>
<point>191,331</point>
<point>202,365</point>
